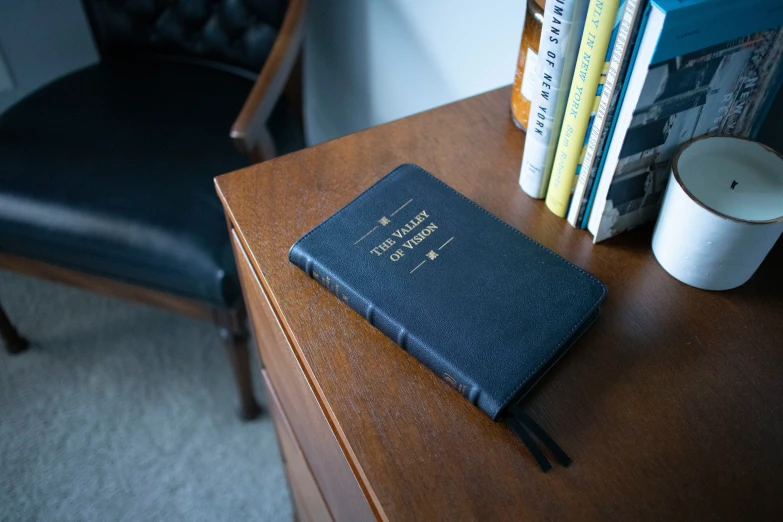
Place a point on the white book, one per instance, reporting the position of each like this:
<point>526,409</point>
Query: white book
<point>560,38</point>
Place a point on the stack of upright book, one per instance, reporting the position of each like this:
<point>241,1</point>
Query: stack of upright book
<point>625,82</point>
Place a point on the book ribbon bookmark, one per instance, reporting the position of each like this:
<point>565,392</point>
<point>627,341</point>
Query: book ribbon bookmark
<point>520,423</point>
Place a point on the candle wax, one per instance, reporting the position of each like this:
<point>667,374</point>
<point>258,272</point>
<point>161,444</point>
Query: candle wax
<point>737,178</point>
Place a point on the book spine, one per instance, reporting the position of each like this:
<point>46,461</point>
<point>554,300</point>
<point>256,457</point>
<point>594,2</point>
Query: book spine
<point>603,142</point>
<point>577,174</point>
<point>592,49</point>
<point>647,40</point>
<point>605,96</point>
<point>390,328</point>
<point>580,171</point>
<point>592,175</point>
<point>563,23</point>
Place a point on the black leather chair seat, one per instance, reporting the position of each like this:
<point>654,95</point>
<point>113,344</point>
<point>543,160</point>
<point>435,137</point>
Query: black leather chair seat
<point>133,201</point>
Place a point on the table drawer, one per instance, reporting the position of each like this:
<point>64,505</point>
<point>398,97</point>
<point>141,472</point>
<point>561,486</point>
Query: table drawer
<point>310,504</point>
<point>312,430</point>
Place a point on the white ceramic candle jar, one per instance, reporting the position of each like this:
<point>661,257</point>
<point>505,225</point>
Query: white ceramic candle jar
<point>722,212</point>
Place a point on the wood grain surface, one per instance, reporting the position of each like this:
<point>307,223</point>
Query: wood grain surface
<point>309,504</point>
<point>314,435</point>
<point>671,405</point>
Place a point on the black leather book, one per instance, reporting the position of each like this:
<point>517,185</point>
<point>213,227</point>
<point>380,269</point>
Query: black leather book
<point>473,299</point>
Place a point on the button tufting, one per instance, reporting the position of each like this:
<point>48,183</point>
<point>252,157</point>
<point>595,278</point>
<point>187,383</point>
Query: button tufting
<point>197,28</point>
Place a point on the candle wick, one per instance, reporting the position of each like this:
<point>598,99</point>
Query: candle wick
<point>734,184</point>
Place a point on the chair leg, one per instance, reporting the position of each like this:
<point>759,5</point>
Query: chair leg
<point>14,343</point>
<point>235,338</point>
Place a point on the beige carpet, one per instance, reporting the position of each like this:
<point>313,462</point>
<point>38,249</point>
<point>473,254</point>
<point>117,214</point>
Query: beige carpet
<point>125,412</point>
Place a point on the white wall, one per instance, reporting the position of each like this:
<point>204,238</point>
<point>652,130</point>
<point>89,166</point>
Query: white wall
<point>41,40</point>
<point>366,61</point>
<point>371,61</point>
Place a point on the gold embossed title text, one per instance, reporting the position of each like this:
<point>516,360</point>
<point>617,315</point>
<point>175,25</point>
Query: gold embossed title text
<point>400,239</point>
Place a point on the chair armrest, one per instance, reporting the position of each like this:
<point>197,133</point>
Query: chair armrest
<point>249,131</point>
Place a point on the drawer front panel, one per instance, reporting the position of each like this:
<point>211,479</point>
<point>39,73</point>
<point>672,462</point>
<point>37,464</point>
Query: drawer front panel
<point>310,504</point>
<point>325,457</point>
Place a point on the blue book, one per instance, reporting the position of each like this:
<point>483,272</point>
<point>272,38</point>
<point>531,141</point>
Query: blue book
<point>699,67</point>
<point>486,308</point>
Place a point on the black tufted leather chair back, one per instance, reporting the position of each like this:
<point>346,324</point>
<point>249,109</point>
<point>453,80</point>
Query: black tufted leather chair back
<point>239,33</point>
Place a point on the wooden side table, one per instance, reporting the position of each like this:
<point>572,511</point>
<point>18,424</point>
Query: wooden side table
<point>671,405</point>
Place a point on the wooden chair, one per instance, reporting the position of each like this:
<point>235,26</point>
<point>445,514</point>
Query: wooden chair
<point>106,177</point>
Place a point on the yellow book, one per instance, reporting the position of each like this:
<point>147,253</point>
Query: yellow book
<point>587,73</point>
